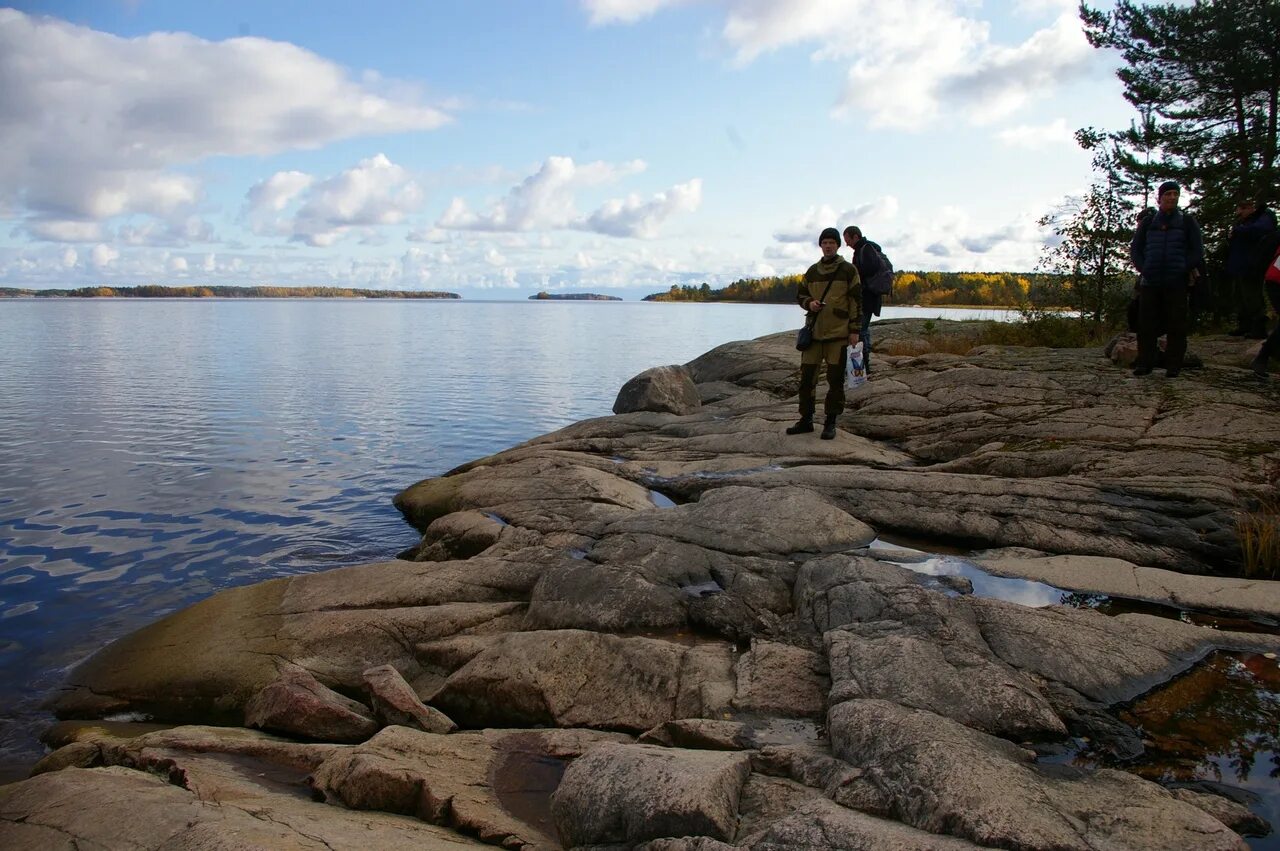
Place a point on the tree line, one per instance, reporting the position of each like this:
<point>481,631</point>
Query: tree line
<point>1204,82</point>
<point>986,289</point>
<point>157,291</point>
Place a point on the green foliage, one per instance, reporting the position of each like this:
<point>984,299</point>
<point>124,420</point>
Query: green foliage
<point>1045,328</point>
<point>1091,253</point>
<point>991,289</point>
<point>1205,80</point>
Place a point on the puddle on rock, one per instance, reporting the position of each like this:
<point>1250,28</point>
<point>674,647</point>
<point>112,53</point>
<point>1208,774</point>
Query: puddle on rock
<point>523,781</point>
<point>1219,722</point>
<point>702,589</point>
<point>496,519</point>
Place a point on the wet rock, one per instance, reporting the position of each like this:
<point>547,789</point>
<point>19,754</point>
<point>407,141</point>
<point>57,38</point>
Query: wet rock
<point>782,680</point>
<point>631,793</point>
<point>667,389</point>
<point>701,734</point>
<point>298,704</point>
<point>942,777</point>
<point>460,535</point>
<point>615,683</point>
<point>604,597</point>
<point>1119,578</point>
<point>451,780</point>
<point>394,702</point>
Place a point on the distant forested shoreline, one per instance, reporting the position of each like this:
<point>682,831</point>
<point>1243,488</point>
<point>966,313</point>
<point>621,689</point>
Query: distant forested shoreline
<point>157,291</point>
<point>986,289</point>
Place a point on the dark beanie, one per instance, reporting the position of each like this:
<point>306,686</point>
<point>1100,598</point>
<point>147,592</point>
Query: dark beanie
<point>1166,186</point>
<point>830,233</point>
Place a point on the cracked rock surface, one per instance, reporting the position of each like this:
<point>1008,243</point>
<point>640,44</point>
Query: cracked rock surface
<point>745,668</point>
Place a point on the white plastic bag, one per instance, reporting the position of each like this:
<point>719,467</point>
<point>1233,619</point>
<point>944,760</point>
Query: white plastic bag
<point>855,371</point>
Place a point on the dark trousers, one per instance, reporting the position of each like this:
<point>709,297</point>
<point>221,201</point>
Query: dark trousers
<point>1250,309</point>
<point>1271,346</point>
<point>865,336</point>
<point>1162,309</point>
<point>833,405</point>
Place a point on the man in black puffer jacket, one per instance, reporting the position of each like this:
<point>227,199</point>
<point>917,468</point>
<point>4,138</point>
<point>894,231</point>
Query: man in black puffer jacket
<point>1253,222</point>
<point>1166,250</point>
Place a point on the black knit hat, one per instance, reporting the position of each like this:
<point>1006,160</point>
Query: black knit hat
<point>1166,186</point>
<point>829,233</point>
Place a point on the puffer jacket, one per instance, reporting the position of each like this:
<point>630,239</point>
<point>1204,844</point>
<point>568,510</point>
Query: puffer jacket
<point>1166,248</point>
<point>1245,235</point>
<point>842,315</point>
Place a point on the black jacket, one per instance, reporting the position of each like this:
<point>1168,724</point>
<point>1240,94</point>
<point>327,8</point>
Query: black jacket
<point>1166,248</point>
<point>868,264</point>
<point>1245,236</point>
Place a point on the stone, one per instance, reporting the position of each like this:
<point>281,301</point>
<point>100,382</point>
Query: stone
<point>618,793</point>
<point>701,734</point>
<point>216,805</point>
<point>467,781</point>
<point>818,824</point>
<point>667,389</point>
<point>297,704</point>
<point>614,683</point>
<point>940,776</point>
<point>782,680</point>
<point>394,702</point>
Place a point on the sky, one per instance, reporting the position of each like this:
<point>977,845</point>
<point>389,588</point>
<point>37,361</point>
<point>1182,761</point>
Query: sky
<point>501,148</point>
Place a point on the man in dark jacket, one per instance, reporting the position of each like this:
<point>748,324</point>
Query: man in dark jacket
<point>1166,250</point>
<point>866,259</point>
<point>1253,222</point>
<point>830,292</point>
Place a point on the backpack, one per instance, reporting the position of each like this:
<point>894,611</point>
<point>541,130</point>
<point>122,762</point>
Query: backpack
<point>881,282</point>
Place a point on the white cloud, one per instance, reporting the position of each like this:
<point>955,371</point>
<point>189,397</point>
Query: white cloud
<point>178,233</point>
<point>57,230</point>
<point>908,60</point>
<point>1037,136</point>
<point>177,266</point>
<point>624,11</point>
<point>95,123</point>
<point>546,200</point>
<point>103,255</point>
<point>374,192</point>
<point>633,216</point>
<point>429,234</point>
<point>274,194</point>
<point>804,229</point>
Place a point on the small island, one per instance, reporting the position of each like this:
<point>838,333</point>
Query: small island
<point>546,296</point>
<point>202,291</point>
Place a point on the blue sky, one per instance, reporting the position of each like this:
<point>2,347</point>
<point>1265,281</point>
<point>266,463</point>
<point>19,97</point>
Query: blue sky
<point>502,148</point>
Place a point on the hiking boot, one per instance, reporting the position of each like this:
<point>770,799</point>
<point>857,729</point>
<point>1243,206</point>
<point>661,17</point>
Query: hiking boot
<point>1237,331</point>
<point>1142,370</point>
<point>829,430</point>
<point>1173,373</point>
<point>1259,366</point>
<point>804,426</point>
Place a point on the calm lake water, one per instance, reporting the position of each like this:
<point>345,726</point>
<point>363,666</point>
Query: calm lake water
<point>157,451</point>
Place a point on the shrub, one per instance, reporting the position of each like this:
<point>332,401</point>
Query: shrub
<point>1259,535</point>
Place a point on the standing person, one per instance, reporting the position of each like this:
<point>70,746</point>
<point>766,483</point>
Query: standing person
<point>1166,249</point>
<point>831,295</point>
<point>1265,255</point>
<point>1253,222</point>
<point>866,259</point>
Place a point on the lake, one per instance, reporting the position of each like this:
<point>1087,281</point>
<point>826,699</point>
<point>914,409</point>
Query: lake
<point>157,451</point>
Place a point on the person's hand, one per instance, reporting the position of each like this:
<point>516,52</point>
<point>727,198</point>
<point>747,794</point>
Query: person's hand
<point>853,339</point>
<point>814,305</point>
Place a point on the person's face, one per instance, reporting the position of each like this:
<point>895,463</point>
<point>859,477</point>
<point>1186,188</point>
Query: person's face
<point>829,247</point>
<point>1169,200</point>
<point>1245,209</point>
<point>850,240</point>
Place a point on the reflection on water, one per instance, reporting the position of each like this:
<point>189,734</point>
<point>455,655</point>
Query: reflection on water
<point>1025,592</point>
<point>1220,721</point>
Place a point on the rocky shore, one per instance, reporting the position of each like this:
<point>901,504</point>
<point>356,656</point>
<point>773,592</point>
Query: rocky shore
<point>678,629</point>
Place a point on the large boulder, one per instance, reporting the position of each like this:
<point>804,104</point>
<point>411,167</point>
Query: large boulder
<point>629,793</point>
<point>667,389</point>
<point>297,704</point>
